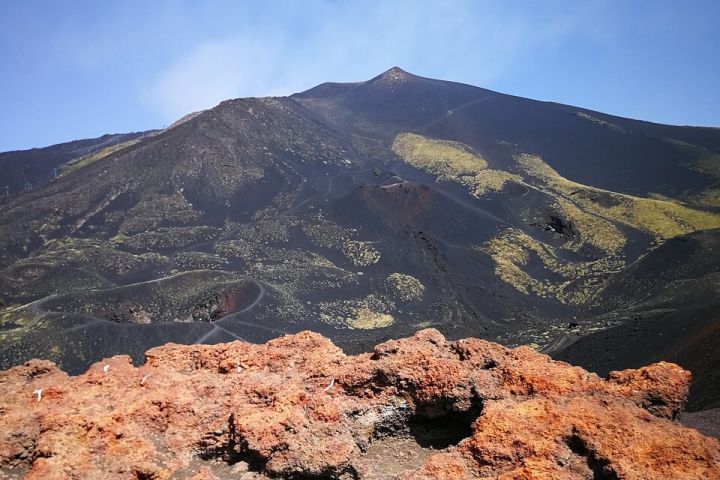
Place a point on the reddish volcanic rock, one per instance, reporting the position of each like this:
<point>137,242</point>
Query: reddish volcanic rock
<point>298,407</point>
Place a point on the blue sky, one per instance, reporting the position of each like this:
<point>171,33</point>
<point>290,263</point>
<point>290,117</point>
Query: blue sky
<point>77,69</point>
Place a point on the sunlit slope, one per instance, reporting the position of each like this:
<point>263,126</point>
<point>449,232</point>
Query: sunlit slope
<point>364,211</point>
<point>587,219</point>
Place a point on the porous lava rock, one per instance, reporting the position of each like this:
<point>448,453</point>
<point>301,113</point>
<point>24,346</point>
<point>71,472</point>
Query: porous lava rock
<point>298,407</point>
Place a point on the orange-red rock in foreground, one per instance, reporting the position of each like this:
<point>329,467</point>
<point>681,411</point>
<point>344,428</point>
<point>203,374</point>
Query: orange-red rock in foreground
<point>298,407</point>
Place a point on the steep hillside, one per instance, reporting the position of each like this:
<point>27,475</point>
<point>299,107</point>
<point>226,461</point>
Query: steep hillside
<point>362,211</point>
<point>671,308</point>
<point>25,169</point>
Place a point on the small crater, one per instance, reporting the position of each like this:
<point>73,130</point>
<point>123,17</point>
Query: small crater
<point>441,432</point>
<point>404,440</point>
<point>204,296</point>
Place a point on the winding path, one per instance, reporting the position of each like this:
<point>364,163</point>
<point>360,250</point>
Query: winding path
<point>37,307</point>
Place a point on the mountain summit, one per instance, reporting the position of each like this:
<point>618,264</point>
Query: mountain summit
<point>370,210</point>
<point>393,76</point>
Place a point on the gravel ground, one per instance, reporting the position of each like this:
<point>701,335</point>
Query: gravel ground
<point>706,421</point>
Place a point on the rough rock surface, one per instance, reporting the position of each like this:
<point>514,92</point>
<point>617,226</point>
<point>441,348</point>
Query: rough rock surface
<point>298,407</point>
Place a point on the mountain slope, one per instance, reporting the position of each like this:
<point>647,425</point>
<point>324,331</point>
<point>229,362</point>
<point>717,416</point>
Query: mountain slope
<point>363,211</point>
<point>672,310</point>
<point>24,169</point>
<point>591,148</point>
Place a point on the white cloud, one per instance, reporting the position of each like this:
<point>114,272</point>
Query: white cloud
<point>212,72</point>
<point>350,42</point>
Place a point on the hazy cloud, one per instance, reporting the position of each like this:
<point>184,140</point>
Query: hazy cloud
<point>212,72</point>
<point>330,46</point>
<point>81,69</point>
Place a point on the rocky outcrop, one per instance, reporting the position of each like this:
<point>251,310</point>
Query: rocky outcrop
<point>298,407</point>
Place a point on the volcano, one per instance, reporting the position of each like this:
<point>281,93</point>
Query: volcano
<point>368,211</point>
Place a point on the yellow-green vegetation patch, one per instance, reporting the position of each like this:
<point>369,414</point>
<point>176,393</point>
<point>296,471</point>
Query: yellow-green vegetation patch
<point>236,249</point>
<point>118,239</point>
<point>283,201</point>
<point>152,258</point>
<point>84,252</point>
<point>199,260</point>
<point>367,319</point>
<point>167,238</point>
<point>228,178</point>
<point>508,258</point>
<point>155,209</point>
<point>85,160</point>
<point>405,287</point>
<point>490,181</point>
<point>591,229</point>
<point>325,233</point>
<point>292,271</point>
<point>298,270</point>
<point>511,251</point>
<point>13,320</point>
<point>661,218</point>
<point>368,313</point>
<point>45,226</point>
<point>444,158</point>
<point>536,166</point>
<point>451,161</point>
<point>360,253</point>
<point>262,230</point>
<point>13,316</point>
